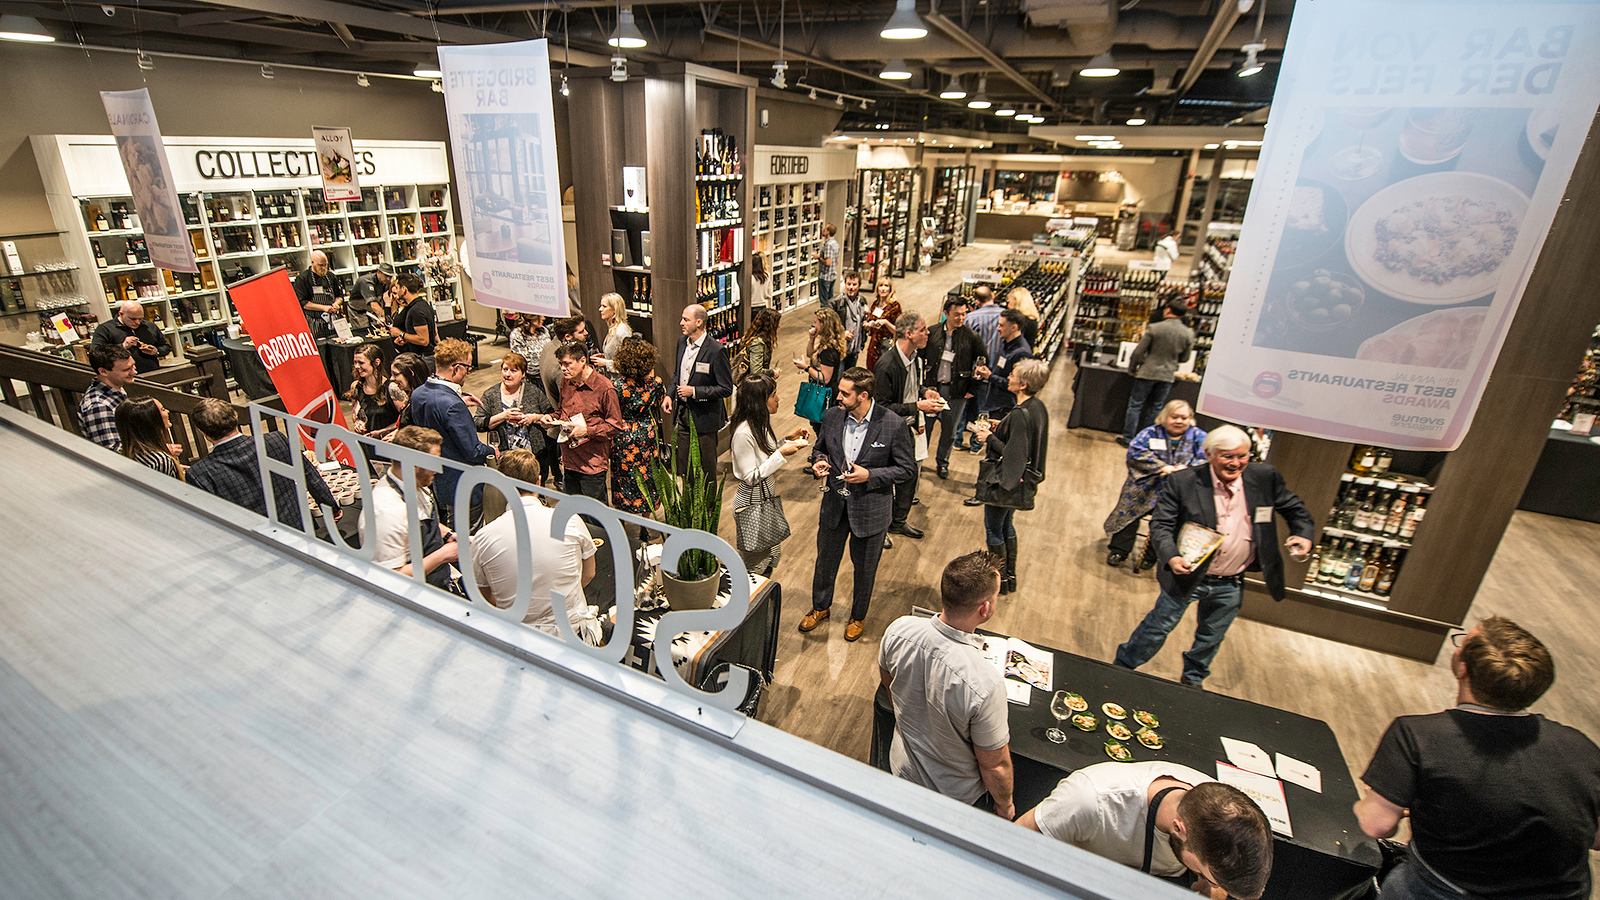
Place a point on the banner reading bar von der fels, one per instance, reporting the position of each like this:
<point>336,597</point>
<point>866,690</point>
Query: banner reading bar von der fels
<point>277,325</point>
<point>144,161</point>
<point>336,156</point>
<point>503,139</point>
<point>1417,153</point>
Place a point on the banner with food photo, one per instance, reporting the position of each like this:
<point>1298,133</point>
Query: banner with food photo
<point>1416,156</point>
<point>150,182</point>
<point>336,156</point>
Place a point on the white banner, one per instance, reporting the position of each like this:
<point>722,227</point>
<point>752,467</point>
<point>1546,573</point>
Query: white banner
<point>1416,156</point>
<point>144,161</point>
<point>502,134</point>
<point>336,156</point>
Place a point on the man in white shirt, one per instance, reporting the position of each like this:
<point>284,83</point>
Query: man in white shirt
<point>1166,253</point>
<point>393,542</point>
<point>562,566</point>
<point>951,731</point>
<point>1165,820</point>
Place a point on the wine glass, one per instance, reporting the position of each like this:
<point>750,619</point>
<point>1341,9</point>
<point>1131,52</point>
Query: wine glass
<point>844,486</point>
<point>822,467</point>
<point>1360,161</point>
<point>1062,711</point>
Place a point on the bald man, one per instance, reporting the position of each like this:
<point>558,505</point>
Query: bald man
<point>701,378</point>
<point>320,295</point>
<point>132,333</point>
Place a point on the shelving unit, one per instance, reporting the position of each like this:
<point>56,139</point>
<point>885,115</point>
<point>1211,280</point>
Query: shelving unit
<point>38,283</point>
<point>1052,278</point>
<point>1209,284</point>
<point>788,229</point>
<point>949,206</point>
<point>882,241</point>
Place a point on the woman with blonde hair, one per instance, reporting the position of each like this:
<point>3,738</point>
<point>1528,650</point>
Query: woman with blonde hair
<point>880,319</point>
<point>1171,445</point>
<point>824,352</point>
<point>615,314</point>
<point>1022,299</point>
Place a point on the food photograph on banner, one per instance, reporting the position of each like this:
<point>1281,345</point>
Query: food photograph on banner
<point>502,135</point>
<point>1399,206</point>
<point>144,161</point>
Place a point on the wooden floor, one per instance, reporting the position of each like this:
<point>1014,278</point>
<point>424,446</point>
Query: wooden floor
<point>1069,598</point>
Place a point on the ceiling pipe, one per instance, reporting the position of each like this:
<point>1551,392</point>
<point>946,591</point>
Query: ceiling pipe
<point>1227,16</point>
<point>960,36</point>
<point>718,31</point>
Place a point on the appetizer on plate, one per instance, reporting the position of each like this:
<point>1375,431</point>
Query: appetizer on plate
<point>1077,703</point>
<point>1149,738</point>
<point>1146,719</point>
<point>1118,752</point>
<point>1118,731</point>
<point>1114,710</point>
<point>1085,722</point>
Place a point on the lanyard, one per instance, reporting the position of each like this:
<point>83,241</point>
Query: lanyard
<point>1150,826</point>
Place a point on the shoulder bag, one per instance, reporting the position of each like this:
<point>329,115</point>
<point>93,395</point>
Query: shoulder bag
<point>812,401</point>
<point>758,517</point>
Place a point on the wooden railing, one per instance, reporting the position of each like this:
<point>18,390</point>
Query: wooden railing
<point>53,386</point>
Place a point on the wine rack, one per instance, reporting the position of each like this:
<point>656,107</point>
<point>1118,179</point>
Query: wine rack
<point>788,228</point>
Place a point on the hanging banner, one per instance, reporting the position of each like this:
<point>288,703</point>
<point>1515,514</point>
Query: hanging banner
<point>144,161</point>
<point>503,138</point>
<point>1416,156</point>
<point>272,315</point>
<point>337,159</point>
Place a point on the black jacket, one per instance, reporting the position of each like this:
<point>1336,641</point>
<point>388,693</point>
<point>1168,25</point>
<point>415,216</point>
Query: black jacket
<point>969,349</point>
<point>1189,497</point>
<point>1014,459</point>
<point>890,388</point>
<point>712,380</point>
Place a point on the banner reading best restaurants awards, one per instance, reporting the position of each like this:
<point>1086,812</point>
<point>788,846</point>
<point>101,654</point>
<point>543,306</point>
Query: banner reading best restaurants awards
<point>144,161</point>
<point>1416,156</point>
<point>502,134</point>
<point>336,156</point>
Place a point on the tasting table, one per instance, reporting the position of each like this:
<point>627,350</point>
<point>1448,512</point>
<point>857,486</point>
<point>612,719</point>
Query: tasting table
<point>1566,480</point>
<point>1100,397</point>
<point>1328,856</point>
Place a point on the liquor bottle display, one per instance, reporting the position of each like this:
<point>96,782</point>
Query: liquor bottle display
<point>1050,279</point>
<point>880,241</point>
<point>1369,530</point>
<point>788,228</point>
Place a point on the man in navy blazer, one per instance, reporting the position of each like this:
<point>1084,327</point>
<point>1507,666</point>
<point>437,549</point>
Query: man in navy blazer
<point>863,450</point>
<point>233,472</point>
<point>701,380</point>
<point>439,404</point>
<point>1238,498</point>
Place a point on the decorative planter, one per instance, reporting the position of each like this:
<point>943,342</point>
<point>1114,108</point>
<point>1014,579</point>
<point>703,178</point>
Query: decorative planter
<point>698,594</point>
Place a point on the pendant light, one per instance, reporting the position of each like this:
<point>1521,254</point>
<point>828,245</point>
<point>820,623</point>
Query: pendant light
<point>953,90</point>
<point>981,99</point>
<point>24,28</point>
<point>896,70</point>
<point>905,24</point>
<point>628,36</point>
<point>1102,66</point>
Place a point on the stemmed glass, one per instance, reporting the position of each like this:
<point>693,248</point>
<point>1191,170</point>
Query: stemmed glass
<point>1062,711</point>
<point>1360,161</point>
<point>822,467</point>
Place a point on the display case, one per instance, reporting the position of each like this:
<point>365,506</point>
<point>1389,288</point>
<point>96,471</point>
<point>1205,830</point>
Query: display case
<point>788,229</point>
<point>882,234</point>
<point>950,205</point>
<point>1023,187</point>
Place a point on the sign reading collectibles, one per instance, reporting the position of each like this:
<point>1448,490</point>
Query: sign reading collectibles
<point>1417,154</point>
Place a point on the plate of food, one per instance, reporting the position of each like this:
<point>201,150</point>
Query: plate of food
<point>1076,703</point>
<point>1324,299</point>
<point>1114,710</point>
<point>1118,752</point>
<point>1314,220</point>
<point>1085,722</point>
<point>1147,719</point>
<point>1149,738</point>
<point>1442,339</point>
<point>1118,731</point>
<point>1436,239</point>
<point>1542,125</point>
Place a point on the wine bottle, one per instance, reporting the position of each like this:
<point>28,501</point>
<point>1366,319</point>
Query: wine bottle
<point>100,223</point>
<point>99,257</point>
<point>1386,573</point>
<point>1357,565</point>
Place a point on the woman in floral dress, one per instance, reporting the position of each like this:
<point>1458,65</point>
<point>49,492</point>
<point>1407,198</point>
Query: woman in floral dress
<point>639,392</point>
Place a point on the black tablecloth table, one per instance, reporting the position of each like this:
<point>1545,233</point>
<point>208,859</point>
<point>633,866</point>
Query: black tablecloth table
<point>1328,856</point>
<point>1100,397</point>
<point>1566,480</point>
<point>249,373</point>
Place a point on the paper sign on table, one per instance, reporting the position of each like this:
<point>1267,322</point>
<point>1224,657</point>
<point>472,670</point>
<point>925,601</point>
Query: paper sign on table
<point>1266,792</point>
<point>1019,659</point>
<point>1018,692</point>
<point>1248,757</point>
<point>1296,772</point>
<point>64,328</point>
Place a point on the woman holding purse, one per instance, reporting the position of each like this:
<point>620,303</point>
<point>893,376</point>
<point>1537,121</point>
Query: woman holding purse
<point>760,526</point>
<point>1013,463</point>
<point>821,365</point>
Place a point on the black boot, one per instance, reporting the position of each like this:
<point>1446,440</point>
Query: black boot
<point>998,551</point>
<point>1008,578</point>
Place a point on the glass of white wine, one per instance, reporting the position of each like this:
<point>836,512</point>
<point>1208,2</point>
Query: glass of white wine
<point>1059,708</point>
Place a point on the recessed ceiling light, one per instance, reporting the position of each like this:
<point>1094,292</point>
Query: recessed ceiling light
<point>627,36</point>
<point>904,25</point>
<point>1094,137</point>
<point>1102,66</point>
<point>896,70</point>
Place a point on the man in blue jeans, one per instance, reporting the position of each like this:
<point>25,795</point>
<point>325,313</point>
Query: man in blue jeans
<point>1236,498</point>
<point>1154,364</point>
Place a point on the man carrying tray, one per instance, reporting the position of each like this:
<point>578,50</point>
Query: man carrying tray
<point>1234,499</point>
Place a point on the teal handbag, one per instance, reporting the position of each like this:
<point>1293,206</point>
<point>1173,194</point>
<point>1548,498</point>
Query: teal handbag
<point>813,401</point>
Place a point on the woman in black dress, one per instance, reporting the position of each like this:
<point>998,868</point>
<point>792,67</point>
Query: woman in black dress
<point>377,406</point>
<point>1013,466</point>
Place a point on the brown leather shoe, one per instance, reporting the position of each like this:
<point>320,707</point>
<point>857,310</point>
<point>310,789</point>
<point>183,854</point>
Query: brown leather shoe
<point>812,619</point>
<point>852,631</point>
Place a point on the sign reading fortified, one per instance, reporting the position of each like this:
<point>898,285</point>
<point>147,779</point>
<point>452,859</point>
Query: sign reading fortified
<point>1416,156</point>
<point>502,133</point>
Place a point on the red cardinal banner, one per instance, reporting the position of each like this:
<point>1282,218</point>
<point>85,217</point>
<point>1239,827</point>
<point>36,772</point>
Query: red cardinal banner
<point>270,312</point>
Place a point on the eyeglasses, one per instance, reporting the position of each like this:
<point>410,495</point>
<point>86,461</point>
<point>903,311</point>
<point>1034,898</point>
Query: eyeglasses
<point>1455,638</point>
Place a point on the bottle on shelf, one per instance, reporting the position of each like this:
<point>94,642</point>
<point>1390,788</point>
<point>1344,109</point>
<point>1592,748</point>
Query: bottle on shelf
<point>1369,573</point>
<point>1362,519</point>
<point>1414,514</point>
<point>99,255</point>
<point>1387,571</point>
<point>1357,564</point>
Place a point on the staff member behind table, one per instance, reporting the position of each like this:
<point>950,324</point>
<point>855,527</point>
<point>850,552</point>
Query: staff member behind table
<point>899,389</point>
<point>132,333</point>
<point>952,351</point>
<point>952,732</point>
<point>1169,446</point>
<point>319,294</point>
<point>1165,819</point>
<point>414,328</point>
<point>1238,498</point>
<point>1154,364</point>
<point>862,450</point>
<point>366,299</point>
<point>1503,802</point>
<point>701,379</point>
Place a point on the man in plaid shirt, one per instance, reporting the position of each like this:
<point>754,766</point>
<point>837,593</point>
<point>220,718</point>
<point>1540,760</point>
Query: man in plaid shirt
<point>114,370</point>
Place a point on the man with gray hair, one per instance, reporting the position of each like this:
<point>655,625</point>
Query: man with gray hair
<point>1236,499</point>
<point>900,388</point>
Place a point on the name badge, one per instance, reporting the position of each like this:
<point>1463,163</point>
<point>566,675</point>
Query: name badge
<point>948,356</point>
<point>316,289</point>
<point>1158,443</point>
<point>877,312</point>
<point>702,368</point>
<point>1263,515</point>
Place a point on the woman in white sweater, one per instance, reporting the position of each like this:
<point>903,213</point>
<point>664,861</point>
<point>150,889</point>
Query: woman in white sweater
<point>757,454</point>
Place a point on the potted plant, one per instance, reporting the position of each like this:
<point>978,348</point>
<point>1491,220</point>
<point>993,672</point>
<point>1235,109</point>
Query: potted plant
<point>689,502</point>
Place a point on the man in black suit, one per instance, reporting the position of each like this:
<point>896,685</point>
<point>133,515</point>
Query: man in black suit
<point>952,352</point>
<point>701,379</point>
<point>900,389</point>
<point>862,450</point>
<point>232,472</point>
<point>1237,498</point>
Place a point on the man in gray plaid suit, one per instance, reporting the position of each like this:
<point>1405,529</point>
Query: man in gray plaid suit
<point>232,472</point>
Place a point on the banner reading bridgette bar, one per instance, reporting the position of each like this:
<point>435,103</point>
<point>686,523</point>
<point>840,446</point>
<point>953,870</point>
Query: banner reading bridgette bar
<point>276,323</point>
